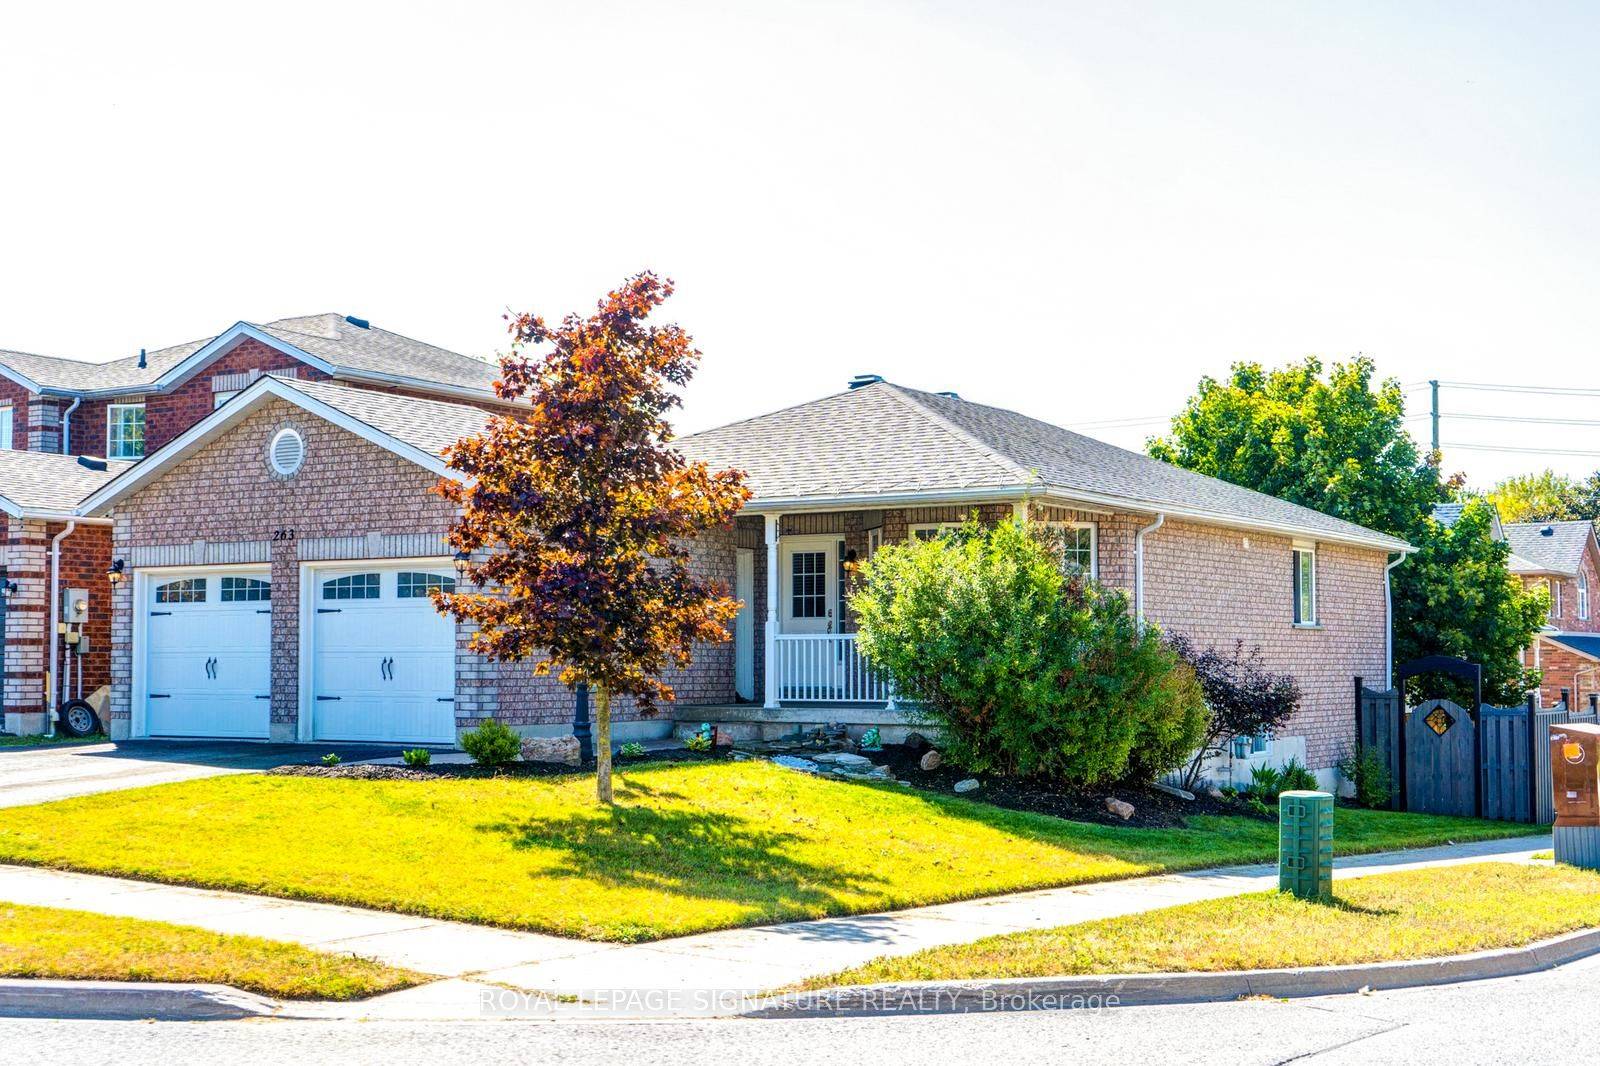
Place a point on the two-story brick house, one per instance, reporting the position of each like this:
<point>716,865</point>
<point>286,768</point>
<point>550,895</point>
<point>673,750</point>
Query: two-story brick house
<point>1564,559</point>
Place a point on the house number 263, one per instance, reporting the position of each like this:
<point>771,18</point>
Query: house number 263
<point>283,534</point>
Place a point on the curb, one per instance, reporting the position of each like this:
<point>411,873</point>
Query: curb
<point>1131,990</point>
<point>129,1001</point>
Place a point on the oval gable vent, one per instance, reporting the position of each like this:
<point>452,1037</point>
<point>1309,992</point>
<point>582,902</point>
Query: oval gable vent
<point>287,452</point>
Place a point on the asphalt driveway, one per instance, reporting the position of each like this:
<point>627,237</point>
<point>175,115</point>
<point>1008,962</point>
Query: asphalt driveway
<point>38,775</point>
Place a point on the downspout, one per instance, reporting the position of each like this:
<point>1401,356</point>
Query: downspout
<point>1388,624</point>
<point>1138,566</point>
<point>66,425</point>
<point>51,677</point>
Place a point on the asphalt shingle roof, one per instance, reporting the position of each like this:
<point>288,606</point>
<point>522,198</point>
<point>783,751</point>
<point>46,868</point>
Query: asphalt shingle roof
<point>884,439</point>
<point>43,481</point>
<point>430,425</point>
<point>330,337</point>
<point>1560,550</point>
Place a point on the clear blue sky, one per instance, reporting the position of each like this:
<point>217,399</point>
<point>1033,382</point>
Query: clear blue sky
<point>1070,209</point>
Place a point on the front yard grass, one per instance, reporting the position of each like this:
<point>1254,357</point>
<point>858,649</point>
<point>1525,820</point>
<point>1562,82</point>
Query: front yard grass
<point>46,942</point>
<point>1452,910</point>
<point>688,847</point>
<point>41,740</point>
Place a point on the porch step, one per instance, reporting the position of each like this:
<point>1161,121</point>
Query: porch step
<point>750,722</point>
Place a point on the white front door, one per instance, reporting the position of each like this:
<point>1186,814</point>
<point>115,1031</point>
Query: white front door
<point>208,655</point>
<point>744,625</point>
<point>383,660</point>
<point>809,584</point>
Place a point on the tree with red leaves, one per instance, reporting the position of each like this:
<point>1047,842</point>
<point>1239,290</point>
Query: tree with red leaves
<point>577,512</point>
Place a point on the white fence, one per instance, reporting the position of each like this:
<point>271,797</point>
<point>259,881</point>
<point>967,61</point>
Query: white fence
<point>827,668</point>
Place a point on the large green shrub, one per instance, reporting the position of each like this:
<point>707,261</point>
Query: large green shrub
<point>1025,670</point>
<point>492,744</point>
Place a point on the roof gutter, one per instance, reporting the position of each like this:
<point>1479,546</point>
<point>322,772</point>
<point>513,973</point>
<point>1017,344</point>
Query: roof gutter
<point>50,677</point>
<point>1388,623</point>
<point>66,425</point>
<point>1138,566</point>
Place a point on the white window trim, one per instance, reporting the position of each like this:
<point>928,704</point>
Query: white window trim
<point>1583,597</point>
<point>1094,543</point>
<point>7,427</point>
<point>1311,619</point>
<point>1555,597</point>
<point>935,527</point>
<point>111,421</point>
<point>874,541</point>
<point>220,398</point>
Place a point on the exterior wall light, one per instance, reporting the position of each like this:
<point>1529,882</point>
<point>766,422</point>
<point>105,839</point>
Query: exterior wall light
<point>8,589</point>
<point>115,573</point>
<point>463,560</point>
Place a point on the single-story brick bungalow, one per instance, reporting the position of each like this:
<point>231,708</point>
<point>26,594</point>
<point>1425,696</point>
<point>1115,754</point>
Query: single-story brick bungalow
<point>278,551</point>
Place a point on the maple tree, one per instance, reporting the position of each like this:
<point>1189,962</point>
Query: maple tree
<point>577,511</point>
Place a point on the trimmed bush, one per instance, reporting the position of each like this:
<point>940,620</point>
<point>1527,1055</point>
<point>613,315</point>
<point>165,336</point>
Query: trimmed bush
<point>492,744</point>
<point>1025,669</point>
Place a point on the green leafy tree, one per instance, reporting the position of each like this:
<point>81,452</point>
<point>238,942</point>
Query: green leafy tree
<point>1544,497</point>
<point>1025,670</point>
<point>1457,598</point>
<point>1336,442</point>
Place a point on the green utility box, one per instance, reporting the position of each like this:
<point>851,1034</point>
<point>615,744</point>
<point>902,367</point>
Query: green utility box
<point>1305,844</point>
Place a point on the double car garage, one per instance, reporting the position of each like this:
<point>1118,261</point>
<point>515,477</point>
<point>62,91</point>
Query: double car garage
<point>378,661</point>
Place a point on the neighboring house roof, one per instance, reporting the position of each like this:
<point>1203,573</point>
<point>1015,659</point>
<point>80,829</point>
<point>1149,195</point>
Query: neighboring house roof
<point>416,430</point>
<point>45,485</point>
<point>1448,514</point>
<point>335,344</point>
<point>884,443</point>
<point>1583,643</point>
<point>1548,547</point>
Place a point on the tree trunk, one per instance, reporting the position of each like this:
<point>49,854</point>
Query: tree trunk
<point>602,744</point>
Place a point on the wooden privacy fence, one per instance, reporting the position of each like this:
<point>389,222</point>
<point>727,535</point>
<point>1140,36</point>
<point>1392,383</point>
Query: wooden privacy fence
<point>1492,762</point>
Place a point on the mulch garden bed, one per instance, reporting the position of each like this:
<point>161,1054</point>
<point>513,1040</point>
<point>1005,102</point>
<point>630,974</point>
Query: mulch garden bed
<point>1152,809</point>
<point>438,771</point>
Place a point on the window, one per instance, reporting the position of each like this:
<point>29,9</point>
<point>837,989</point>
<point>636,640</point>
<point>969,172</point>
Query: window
<point>5,427</point>
<point>1305,587</point>
<point>188,590</point>
<point>874,541</point>
<point>808,593</point>
<point>220,398</point>
<point>932,530</point>
<point>245,590</point>
<point>1583,597</point>
<point>354,587</point>
<point>1077,546</point>
<point>415,585</point>
<point>125,431</point>
<point>1555,599</point>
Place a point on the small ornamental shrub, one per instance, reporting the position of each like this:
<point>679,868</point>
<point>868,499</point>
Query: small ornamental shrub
<point>1245,699</point>
<point>631,750</point>
<point>492,744</point>
<point>416,756</point>
<point>1025,669</point>
<point>331,759</point>
<point>1267,783</point>
<point>698,742</point>
<point>1369,777</point>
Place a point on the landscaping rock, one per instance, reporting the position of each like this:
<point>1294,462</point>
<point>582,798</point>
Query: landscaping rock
<point>969,785</point>
<point>875,773</point>
<point>791,762</point>
<point>550,749</point>
<point>916,742</point>
<point>1174,790</point>
<point>931,759</point>
<point>842,759</point>
<point>1216,793</point>
<point>1121,808</point>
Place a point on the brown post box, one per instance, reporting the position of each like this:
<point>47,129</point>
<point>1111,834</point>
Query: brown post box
<point>1575,774</point>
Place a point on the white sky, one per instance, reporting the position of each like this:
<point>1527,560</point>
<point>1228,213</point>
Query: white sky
<point>1073,210</point>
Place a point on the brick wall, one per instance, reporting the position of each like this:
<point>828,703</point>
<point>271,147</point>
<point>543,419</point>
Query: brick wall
<point>1567,619</point>
<point>85,556</point>
<point>16,398</point>
<point>1563,668</point>
<point>166,415</point>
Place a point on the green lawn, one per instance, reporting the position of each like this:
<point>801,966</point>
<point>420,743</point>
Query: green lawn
<point>35,740</point>
<point>689,846</point>
<point>44,942</point>
<point>1416,914</point>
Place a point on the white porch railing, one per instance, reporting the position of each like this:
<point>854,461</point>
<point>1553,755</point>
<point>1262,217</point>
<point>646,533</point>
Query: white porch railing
<point>827,668</point>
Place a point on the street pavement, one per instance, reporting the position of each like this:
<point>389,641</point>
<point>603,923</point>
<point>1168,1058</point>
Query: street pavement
<point>1537,1018</point>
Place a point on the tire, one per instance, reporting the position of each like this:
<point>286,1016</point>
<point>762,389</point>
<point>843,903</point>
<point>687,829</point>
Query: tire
<point>77,719</point>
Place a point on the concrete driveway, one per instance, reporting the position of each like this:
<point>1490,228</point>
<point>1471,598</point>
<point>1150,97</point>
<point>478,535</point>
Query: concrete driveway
<point>38,775</point>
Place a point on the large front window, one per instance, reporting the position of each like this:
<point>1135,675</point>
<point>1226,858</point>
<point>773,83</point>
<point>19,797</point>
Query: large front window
<point>125,431</point>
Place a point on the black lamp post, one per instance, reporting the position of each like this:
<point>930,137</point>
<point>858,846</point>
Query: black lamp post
<point>580,723</point>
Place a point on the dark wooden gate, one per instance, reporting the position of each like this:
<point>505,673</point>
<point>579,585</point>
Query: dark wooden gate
<point>1441,744</point>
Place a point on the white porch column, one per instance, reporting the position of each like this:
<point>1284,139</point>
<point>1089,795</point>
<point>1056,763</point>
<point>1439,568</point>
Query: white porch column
<point>770,643</point>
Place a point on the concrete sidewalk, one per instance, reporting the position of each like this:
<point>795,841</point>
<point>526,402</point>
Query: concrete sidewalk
<point>745,961</point>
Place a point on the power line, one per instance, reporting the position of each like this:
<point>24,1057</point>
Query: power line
<point>1523,418</point>
<point>1544,390</point>
<point>1522,451</point>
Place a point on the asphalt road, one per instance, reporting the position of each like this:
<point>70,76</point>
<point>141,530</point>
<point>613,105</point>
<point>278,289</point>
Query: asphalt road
<point>43,774</point>
<point>1540,1018</point>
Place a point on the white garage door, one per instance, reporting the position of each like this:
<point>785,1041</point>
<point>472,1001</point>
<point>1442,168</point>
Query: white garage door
<point>383,660</point>
<point>208,665</point>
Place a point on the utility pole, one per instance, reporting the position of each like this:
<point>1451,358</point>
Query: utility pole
<point>1433,387</point>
